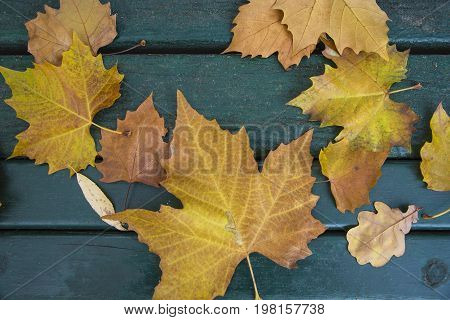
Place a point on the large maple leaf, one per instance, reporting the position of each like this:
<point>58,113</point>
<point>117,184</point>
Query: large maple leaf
<point>356,96</point>
<point>230,209</point>
<point>435,165</point>
<point>259,31</point>
<point>136,155</point>
<point>50,33</point>
<point>356,24</point>
<point>59,103</point>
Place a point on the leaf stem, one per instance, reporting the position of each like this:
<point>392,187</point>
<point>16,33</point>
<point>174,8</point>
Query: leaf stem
<point>328,42</point>
<point>415,87</point>
<point>106,129</point>
<point>437,215</point>
<point>141,43</point>
<point>257,296</point>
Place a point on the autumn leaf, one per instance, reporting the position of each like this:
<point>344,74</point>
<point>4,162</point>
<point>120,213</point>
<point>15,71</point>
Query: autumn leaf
<point>97,200</point>
<point>59,103</point>
<point>50,34</point>
<point>352,173</point>
<point>380,236</point>
<point>135,156</point>
<point>356,24</point>
<point>230,209</point>
<point>435,155</point>
<point>356,96</point>
<point>259,32</point>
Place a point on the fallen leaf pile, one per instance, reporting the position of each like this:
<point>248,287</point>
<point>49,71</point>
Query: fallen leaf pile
<point>230,209</point>
<point>380,236</point>
<point>435,155</point>
<point>355,95</point>
<point>293,27</point>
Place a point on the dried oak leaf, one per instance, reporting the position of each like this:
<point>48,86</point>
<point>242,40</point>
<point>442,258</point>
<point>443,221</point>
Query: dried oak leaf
<point>352,172</point>
<point>380,236</point>
<point>435,155</point>
<point>50,34</point>
<point>259,31</point>
<point>136,155</point>
<point>59,103</point>
<point>230,209</point>
<point>356,24</point>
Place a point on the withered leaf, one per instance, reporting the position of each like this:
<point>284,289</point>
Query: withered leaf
<point>352,172</point>
<point>356,24</point>
<point>136,155</point>
<point>380,236</point>
<point>59,103</point>
<point>435,165</point>
<point>259,32</point>
<point>50,33</point>
<point>230,209</point>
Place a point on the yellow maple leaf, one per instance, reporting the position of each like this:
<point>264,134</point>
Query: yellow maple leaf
<point>230,209</point>
<point>352,173</point>
<point>356,96</point>
<point>259,31</point>
<point>356,24</point>
<point>435,155</point>
<point>59,103</point>
<point>50,33</point>
<point>380,236</point>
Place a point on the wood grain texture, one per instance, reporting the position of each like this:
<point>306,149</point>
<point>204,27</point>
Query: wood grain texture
<point>239,92</point>
<point>117,266</point>
<point>33,200</point>
<point>204,26</point>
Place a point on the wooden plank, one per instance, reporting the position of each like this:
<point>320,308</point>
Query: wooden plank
<point>204,25</point>
<point>115,266</point>
<point>33,200</point>
<point>239,92</point>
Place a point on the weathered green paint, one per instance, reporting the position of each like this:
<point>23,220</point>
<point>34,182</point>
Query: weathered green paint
<point>116,266</point>
<point>239,92</point>
<point>33,200</point>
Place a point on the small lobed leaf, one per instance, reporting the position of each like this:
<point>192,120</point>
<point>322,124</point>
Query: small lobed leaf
<point>50,33</point>
<point>135,155</point>
<point>59,103</point>
<point>230,209</point>
<point>435,155</point>
<point>380,236</point>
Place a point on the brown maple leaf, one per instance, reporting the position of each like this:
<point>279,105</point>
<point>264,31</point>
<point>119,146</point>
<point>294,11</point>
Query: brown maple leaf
<point>135,156</point>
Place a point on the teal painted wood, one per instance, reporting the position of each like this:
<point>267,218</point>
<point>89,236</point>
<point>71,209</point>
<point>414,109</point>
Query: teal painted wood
<point>239,92</point>
<point>204,25</point>
<point>33,200</point>
<point>116,266</point>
